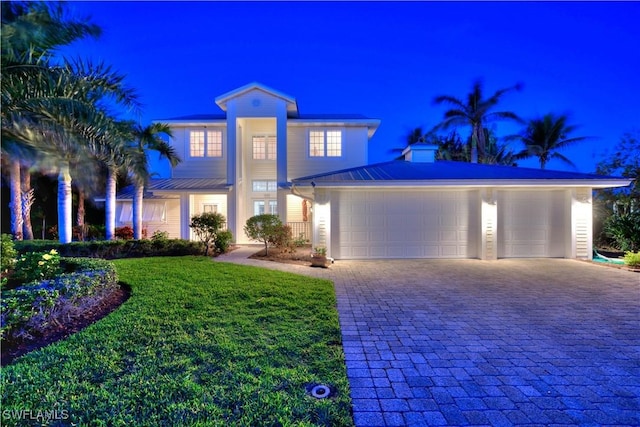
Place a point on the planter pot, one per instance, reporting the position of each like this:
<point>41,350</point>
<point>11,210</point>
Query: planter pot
<point>320,261</point>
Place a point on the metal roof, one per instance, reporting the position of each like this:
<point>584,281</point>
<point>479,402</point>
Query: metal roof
<point>401,172</point>
<point>191,184</point>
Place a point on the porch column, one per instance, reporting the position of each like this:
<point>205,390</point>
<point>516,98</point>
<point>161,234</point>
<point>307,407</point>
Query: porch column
<point>232,162</point>
<point>488,224</point>
<point>185,217</point>
<point>281,162</point>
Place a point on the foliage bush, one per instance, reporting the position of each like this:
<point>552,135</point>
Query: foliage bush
<point>223,241</point>
<point>263,228</point>
<point>632,259</point>
<point>160,236</point>
<point>113,249</point>
<point>624,230</point>
<point>8,257</point>
<point>33,266</point>
<point>283,238</point>
<point>88,232</point>
<point>207,226</point>
<point>125,232</point>
<point>33,306</point>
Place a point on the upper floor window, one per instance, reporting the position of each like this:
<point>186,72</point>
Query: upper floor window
<point>205,143</point>
<point>264,147</point>
<point>325,143</point>
<point>264,186</point>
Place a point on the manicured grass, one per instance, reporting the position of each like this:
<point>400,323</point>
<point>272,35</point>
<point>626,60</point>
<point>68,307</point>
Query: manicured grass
<point>198,343</point>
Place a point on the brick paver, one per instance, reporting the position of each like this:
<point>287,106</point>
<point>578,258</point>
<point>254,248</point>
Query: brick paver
<point>469,342</point>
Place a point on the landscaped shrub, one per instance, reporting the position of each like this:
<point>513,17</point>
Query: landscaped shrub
<point>223,241</point>
<point>283,238</point>
<point>207,226</point>
<point>632,259</point>
<point>263,228</point>
<point>33,306</point>
<point>125,232</point>
<point>33,266</point>
<point>112,249</point>
<point>160,236</point>
<point>624,230</point>
<point>8,257</point>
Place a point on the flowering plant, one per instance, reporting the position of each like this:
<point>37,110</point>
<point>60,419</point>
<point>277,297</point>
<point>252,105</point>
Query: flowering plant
<point>37,266</point>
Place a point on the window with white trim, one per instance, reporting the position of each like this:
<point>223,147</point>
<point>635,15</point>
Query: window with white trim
<point>205,143</point>
<point>264,186</point>
<point>210,207</point>
<point>260,207</point>
<point>151,212</point>
<point>325,143</point>
<point>264,147</point>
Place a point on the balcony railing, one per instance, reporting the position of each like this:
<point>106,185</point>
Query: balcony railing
<point>299,228</point>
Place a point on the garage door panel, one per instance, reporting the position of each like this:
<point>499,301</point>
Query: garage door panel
<point>405,224</point>
<point>531,224</point>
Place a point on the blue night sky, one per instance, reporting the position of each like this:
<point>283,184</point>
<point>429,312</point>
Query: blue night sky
<point>385,60</point>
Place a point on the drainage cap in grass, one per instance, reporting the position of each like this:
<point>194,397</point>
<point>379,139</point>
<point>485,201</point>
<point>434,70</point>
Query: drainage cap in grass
<point>320,391</point>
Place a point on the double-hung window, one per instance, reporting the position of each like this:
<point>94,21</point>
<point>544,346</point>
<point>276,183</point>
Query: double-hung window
<point>262,186</point>
<point>325,143</point>
<point>264,147</point>
<point>205,143</point>
<point>261,207</point>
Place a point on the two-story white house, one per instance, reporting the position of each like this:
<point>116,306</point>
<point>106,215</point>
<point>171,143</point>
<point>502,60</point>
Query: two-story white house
<point>261,155</point>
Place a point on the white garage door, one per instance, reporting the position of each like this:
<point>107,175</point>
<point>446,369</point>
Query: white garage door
<point>531,224</point>
<point>404,224</point>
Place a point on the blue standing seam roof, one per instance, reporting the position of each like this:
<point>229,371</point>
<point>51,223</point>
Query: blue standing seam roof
<point>401,170</point>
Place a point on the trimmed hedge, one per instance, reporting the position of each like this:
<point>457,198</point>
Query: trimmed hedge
<point>33,306</point>
<point>114,249</point>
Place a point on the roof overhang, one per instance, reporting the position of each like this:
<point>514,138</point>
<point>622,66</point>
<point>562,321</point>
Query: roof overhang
<point>371,124</point>
<point>454,183</point>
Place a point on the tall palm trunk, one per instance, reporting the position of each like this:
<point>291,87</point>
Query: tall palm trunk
<point>27,202</point>
<point>110,204</point>
<point>137,210</point>
<point>80,214</point>
<point>64,204</point>
<point>16,199</point>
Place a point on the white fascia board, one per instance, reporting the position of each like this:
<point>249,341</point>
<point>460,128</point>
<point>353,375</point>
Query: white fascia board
<point>475,183</point>
<point>372,124</point>
<point>188,123</point>
<point>222,99</point>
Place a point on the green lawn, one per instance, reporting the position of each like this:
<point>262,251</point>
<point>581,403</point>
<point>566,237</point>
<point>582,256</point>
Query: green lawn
<point>198,343</point>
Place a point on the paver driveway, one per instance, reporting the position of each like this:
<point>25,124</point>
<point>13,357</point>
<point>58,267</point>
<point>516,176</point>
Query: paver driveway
<point>491,343</point>
<point>508,342</point>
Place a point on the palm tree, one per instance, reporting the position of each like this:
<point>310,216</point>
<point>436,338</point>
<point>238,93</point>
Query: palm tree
<point>147,138</point>
<point>545,136</point>
<point>31,31</point>
<point>62,118</point>
<point>475,112</point>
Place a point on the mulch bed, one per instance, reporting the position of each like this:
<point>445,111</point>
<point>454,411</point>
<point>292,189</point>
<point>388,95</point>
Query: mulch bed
<point>12,349</point>
<point>299,255</point>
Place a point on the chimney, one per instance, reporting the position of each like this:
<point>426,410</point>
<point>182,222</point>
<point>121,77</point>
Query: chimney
<point>420,153</point>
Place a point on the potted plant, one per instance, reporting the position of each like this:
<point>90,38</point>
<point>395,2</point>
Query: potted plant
<point>319,257</point>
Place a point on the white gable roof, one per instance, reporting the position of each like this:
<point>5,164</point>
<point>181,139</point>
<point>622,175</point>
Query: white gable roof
<point>292,105</point>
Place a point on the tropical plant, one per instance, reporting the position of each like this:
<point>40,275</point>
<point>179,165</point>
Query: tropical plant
<point>624,229</point>
<point>147,138</point>
<point>476,112</point>
<point>57,110</point>
<point>544,137</point>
